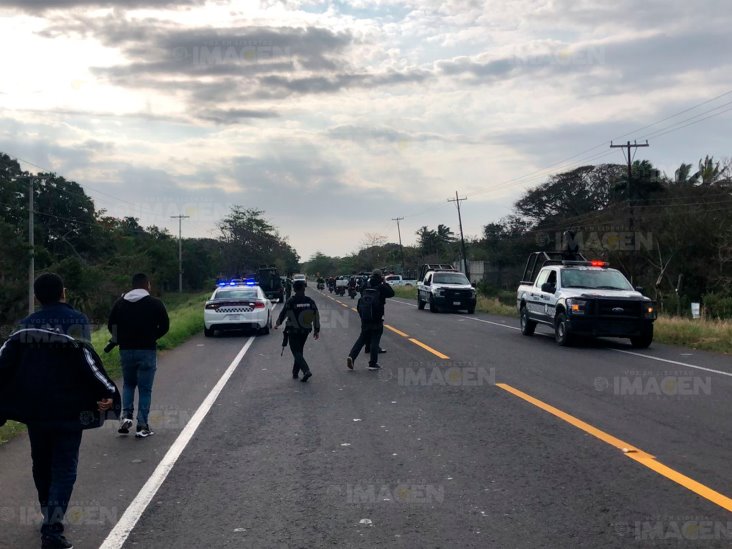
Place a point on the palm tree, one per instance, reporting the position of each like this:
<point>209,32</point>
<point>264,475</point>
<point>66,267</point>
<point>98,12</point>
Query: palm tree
<point>684,177</point>
<point>709,170</point>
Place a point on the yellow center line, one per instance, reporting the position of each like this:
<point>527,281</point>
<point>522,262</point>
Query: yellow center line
<point>428,348</point>
<point>354,309</point>
<point>629,450</point>
<point>393,329</point>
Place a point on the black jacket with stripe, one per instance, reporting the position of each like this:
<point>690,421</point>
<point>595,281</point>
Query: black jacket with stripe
<point>51,380</point>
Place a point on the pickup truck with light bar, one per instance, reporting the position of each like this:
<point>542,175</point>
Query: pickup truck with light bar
<point>444,289</point>
<point>577,297</point>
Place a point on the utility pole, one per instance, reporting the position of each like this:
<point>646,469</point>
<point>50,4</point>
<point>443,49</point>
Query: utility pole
<point>629,158</point>
<point>401,248</point>
<point>457,201</point>
<point>631,215</point>
<point>180,219</point>
<point>31,248</point>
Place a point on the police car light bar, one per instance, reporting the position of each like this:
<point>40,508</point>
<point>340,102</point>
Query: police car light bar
<point>598,263</point>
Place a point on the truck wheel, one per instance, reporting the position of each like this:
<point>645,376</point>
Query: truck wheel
<point>433,307</point>
<point>208,332</point>
<point>561,330</point>
<point>420,303</point>
<point>527,325</point>
<point>471,311</point>
<point>644,340</point>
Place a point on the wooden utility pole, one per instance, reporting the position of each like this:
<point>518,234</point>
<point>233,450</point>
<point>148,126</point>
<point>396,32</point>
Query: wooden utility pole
<point>31,249</point>
<point>401,248</point>
<point>180,219</point>
<point>457,201</point>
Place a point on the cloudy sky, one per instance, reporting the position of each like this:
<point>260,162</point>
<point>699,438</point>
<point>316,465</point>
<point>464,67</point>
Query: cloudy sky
<point>335,117</point>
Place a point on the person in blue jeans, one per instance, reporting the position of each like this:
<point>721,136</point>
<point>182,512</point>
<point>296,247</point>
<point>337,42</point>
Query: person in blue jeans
<point>52,380</point>
<point>136,322</point>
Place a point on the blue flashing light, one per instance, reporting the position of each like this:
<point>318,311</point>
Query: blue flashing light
<point>232,283</point>
<point>220,284</point>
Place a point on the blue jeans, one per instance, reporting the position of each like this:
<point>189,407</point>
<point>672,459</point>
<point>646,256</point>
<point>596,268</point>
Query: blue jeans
<point>138,372</point>
<point>55,455</point>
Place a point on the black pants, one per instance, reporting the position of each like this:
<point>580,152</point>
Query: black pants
<point>297,345</point>
<point>370,337</point>
<point>55,455</point>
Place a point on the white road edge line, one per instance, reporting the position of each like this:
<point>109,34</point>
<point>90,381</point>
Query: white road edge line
<point>674,362</point>
<point>119,534</point>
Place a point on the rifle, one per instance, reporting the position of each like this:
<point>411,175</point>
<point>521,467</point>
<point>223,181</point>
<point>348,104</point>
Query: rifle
<point>285,340</point>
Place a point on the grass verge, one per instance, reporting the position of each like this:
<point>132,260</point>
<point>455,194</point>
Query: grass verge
<point>186,319</point>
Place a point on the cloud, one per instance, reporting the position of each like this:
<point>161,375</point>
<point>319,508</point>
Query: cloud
<point>44,5</point>
<point>233,116</point>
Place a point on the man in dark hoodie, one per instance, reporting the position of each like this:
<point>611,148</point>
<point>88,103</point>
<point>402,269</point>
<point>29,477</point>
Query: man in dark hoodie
<point>136,322</point>
<point>57,386</point>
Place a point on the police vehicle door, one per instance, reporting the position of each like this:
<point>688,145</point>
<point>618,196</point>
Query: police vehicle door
<point>549,299</point>
<point>534,301</point>
<point>426,291</point>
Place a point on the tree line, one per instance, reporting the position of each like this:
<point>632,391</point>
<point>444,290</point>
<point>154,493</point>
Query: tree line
<point>670,234</point>
<point>96,253</point>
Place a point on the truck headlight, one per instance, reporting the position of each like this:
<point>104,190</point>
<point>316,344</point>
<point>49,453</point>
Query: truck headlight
<point>577,306</point>
<point>439,292</point>
<point>649,310</point>
<point>473,293</point>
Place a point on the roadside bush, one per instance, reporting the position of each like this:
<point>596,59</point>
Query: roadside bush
<point>717,306</point>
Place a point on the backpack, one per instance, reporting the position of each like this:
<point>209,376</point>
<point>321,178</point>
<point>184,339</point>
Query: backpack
<point>369,307</point>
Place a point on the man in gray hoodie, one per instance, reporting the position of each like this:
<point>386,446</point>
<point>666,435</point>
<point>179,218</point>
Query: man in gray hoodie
<point>136,322</point>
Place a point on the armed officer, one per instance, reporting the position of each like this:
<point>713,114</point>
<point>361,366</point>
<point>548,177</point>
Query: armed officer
<point>302,317</point>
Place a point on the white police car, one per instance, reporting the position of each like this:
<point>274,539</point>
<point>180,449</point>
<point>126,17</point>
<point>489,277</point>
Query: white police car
<point>237,305</point>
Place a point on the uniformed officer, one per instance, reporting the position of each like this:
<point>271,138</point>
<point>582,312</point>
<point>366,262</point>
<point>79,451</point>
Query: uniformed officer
<point>302,317</point>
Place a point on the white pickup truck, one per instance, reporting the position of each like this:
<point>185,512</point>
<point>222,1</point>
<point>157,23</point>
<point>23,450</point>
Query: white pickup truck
<point>576,297</point>
<point>444,289</point>
<point>399,280</point>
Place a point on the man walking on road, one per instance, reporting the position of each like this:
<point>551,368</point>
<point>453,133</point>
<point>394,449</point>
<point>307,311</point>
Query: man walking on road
<point>302,317</point>
<point>136,322</point>
<point>371,311</point>
<point>57,386</point>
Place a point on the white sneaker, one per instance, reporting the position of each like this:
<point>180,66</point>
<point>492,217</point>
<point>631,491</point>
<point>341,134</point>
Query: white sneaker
<point>124,426</point>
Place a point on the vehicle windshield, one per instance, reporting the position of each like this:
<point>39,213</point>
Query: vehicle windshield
<point>236,293</point>
<point>450,278</point>
<point>595,279</point>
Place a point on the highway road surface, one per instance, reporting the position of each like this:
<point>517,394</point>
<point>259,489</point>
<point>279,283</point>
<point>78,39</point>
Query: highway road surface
<point>471,435</point>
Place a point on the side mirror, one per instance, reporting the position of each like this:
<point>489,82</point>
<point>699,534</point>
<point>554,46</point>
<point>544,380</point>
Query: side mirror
<point>548,287</point>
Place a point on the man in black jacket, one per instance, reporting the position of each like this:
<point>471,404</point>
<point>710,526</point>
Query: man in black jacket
<point>302,317</point>
<point>371,311</point>
<point>57,386</point>
<point>136,322</point>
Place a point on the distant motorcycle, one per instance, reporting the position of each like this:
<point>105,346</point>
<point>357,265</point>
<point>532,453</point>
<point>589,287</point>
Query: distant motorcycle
<point>321,286</point>
<point>352,292</point>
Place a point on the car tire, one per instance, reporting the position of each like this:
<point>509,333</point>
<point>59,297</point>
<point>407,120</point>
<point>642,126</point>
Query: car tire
<point>644,340</point>
<point>527,325</point>
<point>561,330</point>
<point>420,303</point>
<point>208,332</point>
<point>433,307</point>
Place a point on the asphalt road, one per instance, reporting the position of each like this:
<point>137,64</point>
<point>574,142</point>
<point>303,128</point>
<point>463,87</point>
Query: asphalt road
<point>472,435</point>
